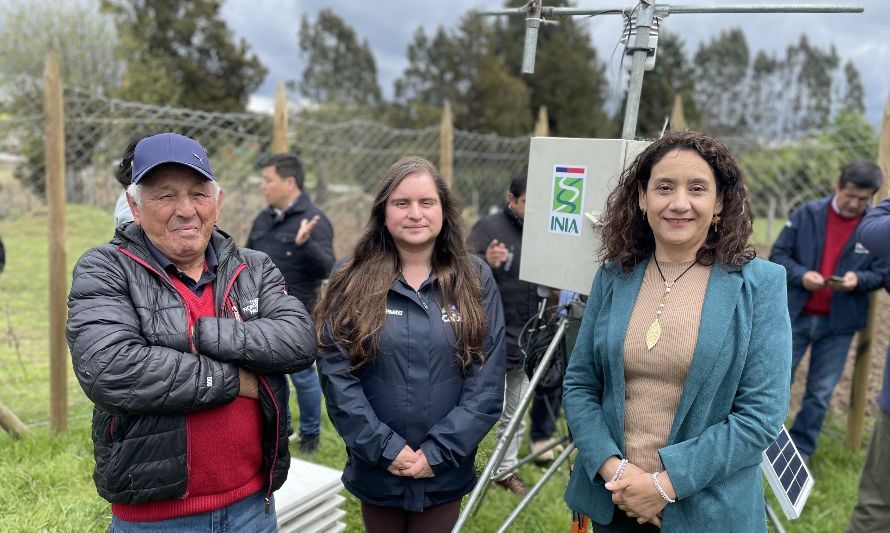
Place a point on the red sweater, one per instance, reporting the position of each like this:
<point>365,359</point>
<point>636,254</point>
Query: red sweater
<point>224,446</point>
<point>838,231</point>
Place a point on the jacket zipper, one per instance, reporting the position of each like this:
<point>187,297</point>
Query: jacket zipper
<point>262,380</point>
<point>422,301</point>
<point>227,302</point>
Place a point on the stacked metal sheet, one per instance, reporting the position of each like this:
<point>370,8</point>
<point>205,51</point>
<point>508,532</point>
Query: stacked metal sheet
<point>310,500</point>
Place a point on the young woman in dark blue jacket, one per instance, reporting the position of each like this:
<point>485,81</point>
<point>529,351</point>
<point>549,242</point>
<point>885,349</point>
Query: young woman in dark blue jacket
<point>411,356</point>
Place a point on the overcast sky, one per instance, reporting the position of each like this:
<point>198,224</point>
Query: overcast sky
<point>270,26</point>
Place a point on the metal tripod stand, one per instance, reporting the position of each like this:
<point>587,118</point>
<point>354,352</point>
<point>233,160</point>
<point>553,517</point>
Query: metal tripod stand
<point>573,315</point>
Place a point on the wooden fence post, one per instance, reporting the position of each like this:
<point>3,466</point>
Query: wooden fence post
<point>446,145</point>
<point>279,121</point>
<point>859,390</point>
<point>54,153</point>
<point>542,126</point>
<point>678,117</point>
<point>11,423</point>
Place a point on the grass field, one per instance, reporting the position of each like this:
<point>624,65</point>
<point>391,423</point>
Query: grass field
<point>46,480</point>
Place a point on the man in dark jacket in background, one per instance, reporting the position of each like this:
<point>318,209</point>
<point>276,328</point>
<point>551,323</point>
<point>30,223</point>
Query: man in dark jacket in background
<point>830,275</point>
<point>299,238</point>
<point>872,513</point>
<point>182,340</point>
<point>498,239</point>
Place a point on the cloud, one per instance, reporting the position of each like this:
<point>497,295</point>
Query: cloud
<point>270,27</point>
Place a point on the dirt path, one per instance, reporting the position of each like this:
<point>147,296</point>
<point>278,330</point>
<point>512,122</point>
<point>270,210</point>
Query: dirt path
<point>840,402</point>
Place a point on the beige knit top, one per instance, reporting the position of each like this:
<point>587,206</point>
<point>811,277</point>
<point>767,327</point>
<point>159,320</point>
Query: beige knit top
<point>654,378</point>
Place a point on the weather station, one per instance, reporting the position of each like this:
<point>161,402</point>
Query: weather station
<point>569,181</point>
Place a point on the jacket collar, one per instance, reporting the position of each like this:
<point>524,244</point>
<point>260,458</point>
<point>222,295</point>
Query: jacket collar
<point>819,209</point>
<point>511,216</point>
<point>716,314</point>
<point>296,207</point>
<point>131,237</point>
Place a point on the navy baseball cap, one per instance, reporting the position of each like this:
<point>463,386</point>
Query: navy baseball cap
<point>165,148</point>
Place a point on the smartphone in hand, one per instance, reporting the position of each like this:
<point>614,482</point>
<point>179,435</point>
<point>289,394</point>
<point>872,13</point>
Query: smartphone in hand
<point>835,280</point>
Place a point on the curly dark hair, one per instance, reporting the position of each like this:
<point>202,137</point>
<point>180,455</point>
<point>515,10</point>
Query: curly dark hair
<point>626,236</point>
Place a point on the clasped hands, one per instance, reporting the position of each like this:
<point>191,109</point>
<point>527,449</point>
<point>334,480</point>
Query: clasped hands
<point>635,493</point>
<point>410,464</point>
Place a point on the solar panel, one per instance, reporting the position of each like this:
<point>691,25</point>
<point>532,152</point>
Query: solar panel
<point>787,474</point>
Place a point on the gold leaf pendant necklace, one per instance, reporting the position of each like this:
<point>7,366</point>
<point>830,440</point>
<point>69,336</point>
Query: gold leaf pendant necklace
<point>654,331</point>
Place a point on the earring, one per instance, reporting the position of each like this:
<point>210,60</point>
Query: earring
<point>643,209</point>
<point>715,220</point>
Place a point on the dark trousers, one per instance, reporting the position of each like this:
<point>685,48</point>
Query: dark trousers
<point>436,519</point>
<point>621,523</point>
<point>872,513</point>
<point>545,413</point>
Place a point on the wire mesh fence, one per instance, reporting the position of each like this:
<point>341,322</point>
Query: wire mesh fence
<point>781,174</point>
<point>346,159</point>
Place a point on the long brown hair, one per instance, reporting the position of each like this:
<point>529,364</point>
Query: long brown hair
<point>353,308</point>
<point>626,235</point>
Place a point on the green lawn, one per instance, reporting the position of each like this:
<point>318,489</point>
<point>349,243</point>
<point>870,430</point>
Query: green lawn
<point>761,236</point>
<point>46,480</point>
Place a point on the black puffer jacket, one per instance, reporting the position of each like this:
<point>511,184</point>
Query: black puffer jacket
<point>129,339</point>
<point>304,266</point>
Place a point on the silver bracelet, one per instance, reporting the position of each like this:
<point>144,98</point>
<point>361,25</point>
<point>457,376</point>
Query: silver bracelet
<point>620,471</point>
<point>661,490</point>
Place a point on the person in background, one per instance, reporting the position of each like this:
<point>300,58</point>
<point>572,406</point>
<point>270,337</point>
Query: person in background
<point>830,276</point>
<point>411,356</point>
<point>181,340</point>
<point>124,175</point>
<point>872,511</point>
<point>298,237</point>
<point>497,238</point>
<point>2,256</point>
<point>680,374</point>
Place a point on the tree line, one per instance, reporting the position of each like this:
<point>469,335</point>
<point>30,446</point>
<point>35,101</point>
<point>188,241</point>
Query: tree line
<point>183,54</point>
<point>727,87</point>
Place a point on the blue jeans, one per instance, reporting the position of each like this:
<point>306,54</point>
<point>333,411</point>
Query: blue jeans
<point>308,400</point>
<point>248,514</point>
<point>828,354</point>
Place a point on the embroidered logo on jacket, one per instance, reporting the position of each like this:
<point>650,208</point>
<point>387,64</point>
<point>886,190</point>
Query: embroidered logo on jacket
<point>396,312</point>
<point>451,314</point>
<point>859,249</point>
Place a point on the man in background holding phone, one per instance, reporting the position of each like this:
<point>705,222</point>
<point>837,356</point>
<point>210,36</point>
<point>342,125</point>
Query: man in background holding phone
<point>830,276</point>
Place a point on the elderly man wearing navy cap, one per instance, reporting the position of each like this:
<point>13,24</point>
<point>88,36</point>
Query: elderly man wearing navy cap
<point>182,340</point>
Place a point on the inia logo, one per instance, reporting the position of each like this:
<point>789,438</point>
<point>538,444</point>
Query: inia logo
<point>567,200</point>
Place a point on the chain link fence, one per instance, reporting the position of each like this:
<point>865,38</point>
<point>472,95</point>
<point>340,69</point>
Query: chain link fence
<point>782,174</point>
<point>345,160</point>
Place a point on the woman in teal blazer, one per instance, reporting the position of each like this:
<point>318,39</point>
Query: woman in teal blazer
<point>670,418</point>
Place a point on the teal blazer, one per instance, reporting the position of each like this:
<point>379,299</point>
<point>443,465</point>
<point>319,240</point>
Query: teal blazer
<point>733,403</point>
